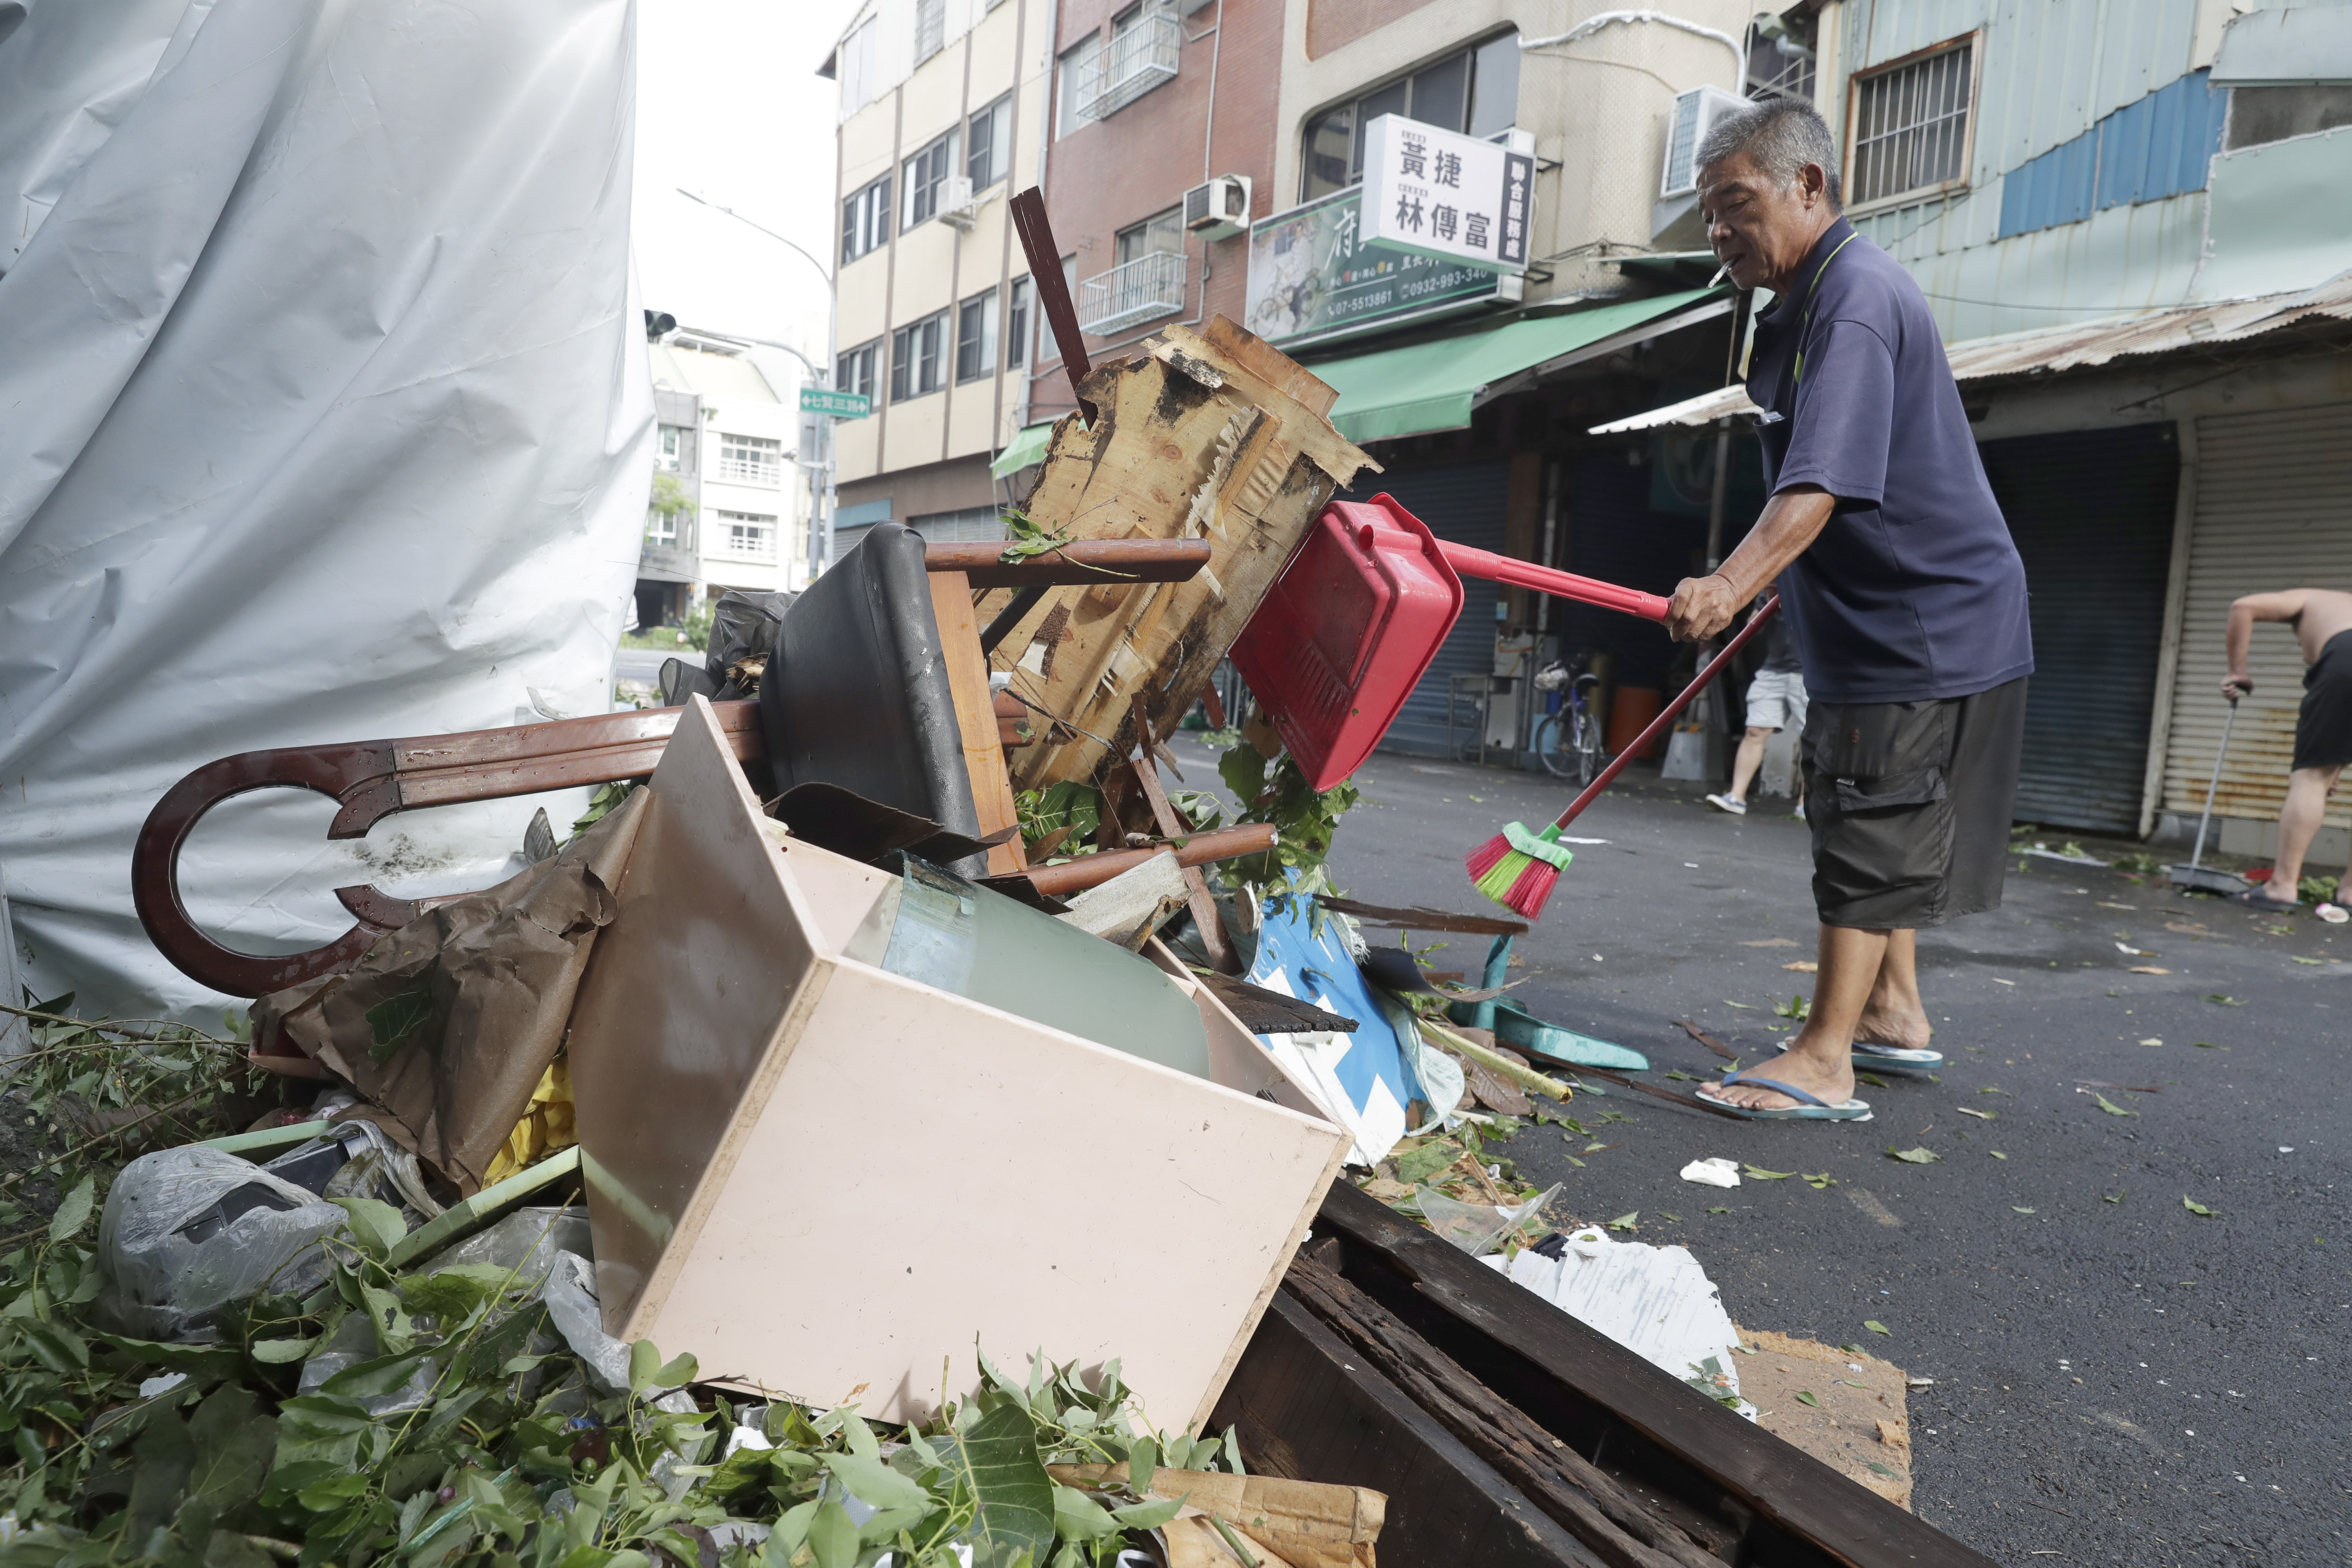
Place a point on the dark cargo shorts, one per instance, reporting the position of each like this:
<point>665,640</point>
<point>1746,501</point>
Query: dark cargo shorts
<point>1910,804</point>
<point>2323,729</point>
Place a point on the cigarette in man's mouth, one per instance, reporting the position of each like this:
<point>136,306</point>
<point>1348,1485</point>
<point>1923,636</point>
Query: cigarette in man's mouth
<point>1718,275</point>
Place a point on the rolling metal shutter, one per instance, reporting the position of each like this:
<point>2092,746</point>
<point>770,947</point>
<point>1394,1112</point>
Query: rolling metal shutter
<point>1464,502</point>
<point>2092,512</point>
<point>2273,510</point>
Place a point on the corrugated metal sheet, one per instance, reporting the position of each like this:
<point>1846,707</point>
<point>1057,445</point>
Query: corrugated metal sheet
<point>2085,345</point>
<point>2158,146</point>
<point>2092,515</point>
<point>2273,510</point>
<point>1466,502</point>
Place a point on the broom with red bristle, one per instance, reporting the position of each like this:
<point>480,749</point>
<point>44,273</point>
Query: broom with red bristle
<point>1517,868</point>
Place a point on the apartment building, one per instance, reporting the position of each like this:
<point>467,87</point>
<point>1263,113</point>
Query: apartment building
<point>725,444</point>
<point>942,105</point>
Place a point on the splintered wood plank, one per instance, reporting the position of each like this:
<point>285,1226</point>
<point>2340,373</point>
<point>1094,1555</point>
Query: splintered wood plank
<point>1307,1409</point>
<point>975,706</point>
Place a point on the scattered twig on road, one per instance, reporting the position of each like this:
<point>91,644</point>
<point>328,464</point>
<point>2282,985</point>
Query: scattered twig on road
<point>1690,1099</point>
<point>1709,1041</point>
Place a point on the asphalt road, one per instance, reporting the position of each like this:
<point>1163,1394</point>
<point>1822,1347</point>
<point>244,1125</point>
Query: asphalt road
<point>2117,1378</point>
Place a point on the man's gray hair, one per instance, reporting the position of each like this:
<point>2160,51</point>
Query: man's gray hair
<point>1782,135</point>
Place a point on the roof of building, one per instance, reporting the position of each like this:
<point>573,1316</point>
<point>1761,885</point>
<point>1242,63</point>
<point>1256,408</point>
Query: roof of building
<point>728,375</point>
<point>2085,345</point>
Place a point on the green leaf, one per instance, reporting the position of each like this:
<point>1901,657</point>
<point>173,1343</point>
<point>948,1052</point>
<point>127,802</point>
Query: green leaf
<point>1078,1517</point>
<point>374,1378</point>
<point>677,1371</point>
<point>392,1020</point>
<point>644,1361</point>
<point>376,1225</point>
<point>1625,1221</point>
<point>1719,1211</point>
<point>1875,1327</point>
<point>1417,1165</point>
<point>2110,1106</point>
<point>1915,1156</point>
<point>275,1352</point>
<point>2193,1206</point>
<point>1142,1463</point>
<point>325,1495</point>
<point>73,1210</point>
<point>871,1480</point>
<point>1148,1515</point>
<point>2215,996</point>
<point>996,1462</point>
<point>1809,1399</point>
<point>1758,1174</point>
<point>1821,1183</point>
<point>2014,1209</point>
<point>1873,1079</point>
<point>833,1537</point>
<point>1891,1475</point>
<point>54,1345</point>
<point>1997,1155</point>
<point>2117,1198</point>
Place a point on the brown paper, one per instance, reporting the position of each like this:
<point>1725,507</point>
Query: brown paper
<point>1304,1524</point>
<point>498,970</point>
<point>1858,1427</point>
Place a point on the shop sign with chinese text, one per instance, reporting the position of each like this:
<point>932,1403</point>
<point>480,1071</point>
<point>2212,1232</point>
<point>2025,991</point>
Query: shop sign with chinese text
<point>1451,197</point>
<point>1312,278</point>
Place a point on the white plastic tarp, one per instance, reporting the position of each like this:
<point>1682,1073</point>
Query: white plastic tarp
<point>324,416</point>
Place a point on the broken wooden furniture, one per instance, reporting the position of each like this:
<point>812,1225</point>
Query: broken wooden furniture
<point>1508,1433</point>
<point>1211,437</point>
<point>728,1058</point>
<point>370,780</point>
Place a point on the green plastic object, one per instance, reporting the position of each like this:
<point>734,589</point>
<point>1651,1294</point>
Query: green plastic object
<point>974,943</point>
<point>1515,1027</point>
<point>464,1219</point>
<point>267,1137</point>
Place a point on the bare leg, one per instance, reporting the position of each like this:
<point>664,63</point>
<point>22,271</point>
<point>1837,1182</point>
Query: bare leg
<point>1749,758</point>
<point>1895,1016</point>
<point>1819,1061</point>
<point>2306,800</point>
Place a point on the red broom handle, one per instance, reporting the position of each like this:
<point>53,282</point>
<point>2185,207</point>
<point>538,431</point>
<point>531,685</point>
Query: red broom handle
<point>1486,564</point>
<point>1673,712</point>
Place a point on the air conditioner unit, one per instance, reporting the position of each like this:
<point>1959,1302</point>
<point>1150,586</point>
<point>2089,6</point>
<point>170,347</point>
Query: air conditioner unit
<point>957,208</point>
<point>1219,209</point>
<point>1694,114</point>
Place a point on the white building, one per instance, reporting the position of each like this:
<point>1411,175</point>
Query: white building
<point>736,461</point>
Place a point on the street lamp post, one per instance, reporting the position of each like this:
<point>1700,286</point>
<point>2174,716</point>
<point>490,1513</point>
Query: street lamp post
<point>821,524</point>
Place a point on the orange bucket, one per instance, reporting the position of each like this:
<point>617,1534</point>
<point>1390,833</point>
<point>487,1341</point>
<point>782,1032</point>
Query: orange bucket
<point>1629,714</point>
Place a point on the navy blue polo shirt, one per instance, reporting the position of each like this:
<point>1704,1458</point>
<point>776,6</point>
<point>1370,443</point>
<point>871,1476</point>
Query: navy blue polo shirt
<point>1913,591</point>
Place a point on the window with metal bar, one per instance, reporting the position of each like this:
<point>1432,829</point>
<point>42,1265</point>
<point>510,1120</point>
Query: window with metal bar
<point>745,535</point>
<point>1016,326</point>
<point>988,142</point>
<point>866,220</point>
<point>916,351</point>
<point>926,172</point>
<point>976,337</point>
<point>1911,127</point>
<point>930,28</point>
<point>1474,91</point>
<point>750,459</point>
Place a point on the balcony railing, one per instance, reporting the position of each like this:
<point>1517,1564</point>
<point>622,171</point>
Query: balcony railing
<point>1135,62</point>
<point>767,470</point>
<point>1149,286</point>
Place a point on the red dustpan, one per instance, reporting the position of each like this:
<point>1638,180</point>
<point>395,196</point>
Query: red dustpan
<point>1353,623</point>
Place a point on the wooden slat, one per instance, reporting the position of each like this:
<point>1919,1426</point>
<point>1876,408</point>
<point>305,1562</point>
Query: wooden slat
<point>1306,1409</point>
<point>1516,1341</point>
<point>984,752</point>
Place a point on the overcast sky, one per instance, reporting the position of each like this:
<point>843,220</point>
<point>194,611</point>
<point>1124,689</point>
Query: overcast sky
<point>730,105</point>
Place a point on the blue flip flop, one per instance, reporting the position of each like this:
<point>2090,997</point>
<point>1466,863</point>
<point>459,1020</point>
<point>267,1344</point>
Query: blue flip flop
<point>1870,1054</point>
<point>1812,1108</point>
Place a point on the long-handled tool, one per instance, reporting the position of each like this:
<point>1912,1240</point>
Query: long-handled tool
<point>2194,877</point>
<point>1351,625</point>
<point>1517,868</point>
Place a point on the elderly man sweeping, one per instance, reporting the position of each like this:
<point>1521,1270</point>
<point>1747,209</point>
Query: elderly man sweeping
<point>1906,596</point>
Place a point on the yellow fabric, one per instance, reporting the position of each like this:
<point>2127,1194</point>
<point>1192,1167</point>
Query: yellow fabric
<point>545,1128</point>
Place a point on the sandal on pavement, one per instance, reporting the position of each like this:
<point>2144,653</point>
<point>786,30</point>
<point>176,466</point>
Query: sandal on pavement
<point>1812,1108</point>
<point>1870,1054</point>
<point>2254,898</point>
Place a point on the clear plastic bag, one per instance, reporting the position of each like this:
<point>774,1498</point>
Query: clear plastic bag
<point>188,1231</point>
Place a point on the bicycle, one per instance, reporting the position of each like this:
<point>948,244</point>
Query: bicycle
<point>1568,738</point>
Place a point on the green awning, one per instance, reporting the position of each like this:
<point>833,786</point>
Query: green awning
<point>1436,385</point>
<point>1027,447</point>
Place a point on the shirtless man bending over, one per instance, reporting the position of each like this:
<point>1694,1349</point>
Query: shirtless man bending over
<point>2322,620</point>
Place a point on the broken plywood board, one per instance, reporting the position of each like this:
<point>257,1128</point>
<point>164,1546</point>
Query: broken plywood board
<point>1860,1429</point>
<point>1214,435</point>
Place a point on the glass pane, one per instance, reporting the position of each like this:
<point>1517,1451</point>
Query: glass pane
<point>1165,231</point>
<point>1390,99</point>
<point>1495,85</point>
<point>1440,95</point>
<point>1330,142</point>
